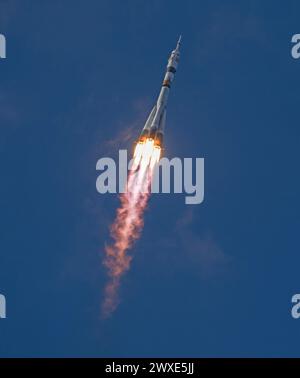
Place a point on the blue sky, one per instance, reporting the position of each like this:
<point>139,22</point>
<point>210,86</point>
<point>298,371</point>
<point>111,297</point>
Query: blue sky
<point>78,83</point>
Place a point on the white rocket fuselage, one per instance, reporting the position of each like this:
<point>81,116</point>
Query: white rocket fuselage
<point>155,124</point>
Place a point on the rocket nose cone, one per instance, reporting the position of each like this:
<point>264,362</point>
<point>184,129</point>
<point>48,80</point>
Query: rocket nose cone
<point>179,42</point>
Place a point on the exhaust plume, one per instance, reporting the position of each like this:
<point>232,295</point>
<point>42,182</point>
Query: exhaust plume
<point>129,221</point>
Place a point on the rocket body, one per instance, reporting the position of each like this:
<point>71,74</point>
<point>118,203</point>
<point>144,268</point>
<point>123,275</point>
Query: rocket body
<point>155,124</point>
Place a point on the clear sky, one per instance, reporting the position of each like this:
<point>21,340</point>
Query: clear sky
<point>214,279</point>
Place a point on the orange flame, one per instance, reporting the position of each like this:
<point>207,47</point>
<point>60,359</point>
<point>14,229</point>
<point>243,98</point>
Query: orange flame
<point>129,220</point>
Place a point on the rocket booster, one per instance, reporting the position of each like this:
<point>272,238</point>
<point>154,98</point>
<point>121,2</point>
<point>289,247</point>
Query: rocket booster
<point>155,124</point>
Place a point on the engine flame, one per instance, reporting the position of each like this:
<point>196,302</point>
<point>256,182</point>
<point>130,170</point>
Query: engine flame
<point>129,221</point>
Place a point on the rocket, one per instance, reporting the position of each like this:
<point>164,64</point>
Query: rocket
<point>155,124</point>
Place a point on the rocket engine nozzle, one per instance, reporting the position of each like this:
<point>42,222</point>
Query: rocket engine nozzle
<point>152,134</point>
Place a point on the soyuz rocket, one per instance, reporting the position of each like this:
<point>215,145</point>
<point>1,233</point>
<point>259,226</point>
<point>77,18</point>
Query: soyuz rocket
<point>155,124</point>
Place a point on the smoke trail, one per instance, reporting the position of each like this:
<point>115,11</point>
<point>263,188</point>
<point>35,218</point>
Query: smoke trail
<point>129,220</point>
